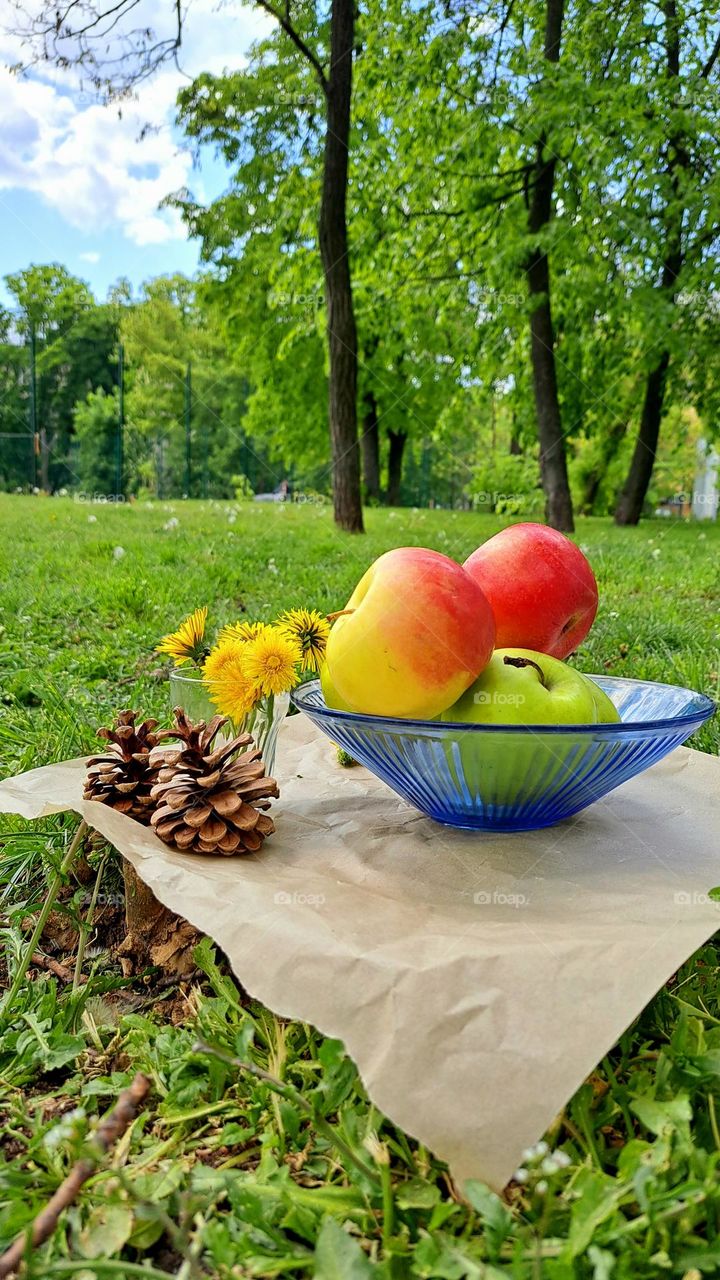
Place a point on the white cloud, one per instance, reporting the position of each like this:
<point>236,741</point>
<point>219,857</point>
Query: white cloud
<point>88,161</point>
<point>90,256</point>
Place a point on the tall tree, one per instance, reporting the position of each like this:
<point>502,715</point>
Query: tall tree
<point>553,464</point>
<point>117,57</point>
<point>334,250</point>
<point>650,205</point>
<point>632,497</point>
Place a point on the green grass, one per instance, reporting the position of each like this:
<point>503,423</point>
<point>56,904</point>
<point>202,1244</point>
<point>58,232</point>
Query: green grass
<point>222,1176</point>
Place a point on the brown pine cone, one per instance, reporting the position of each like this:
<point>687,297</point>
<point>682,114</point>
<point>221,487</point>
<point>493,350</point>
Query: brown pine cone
<point>211,801</point>
<point>124,775</point>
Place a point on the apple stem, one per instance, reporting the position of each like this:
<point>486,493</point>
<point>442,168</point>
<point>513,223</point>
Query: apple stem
<point>524,662</point>
<point>340,613</point>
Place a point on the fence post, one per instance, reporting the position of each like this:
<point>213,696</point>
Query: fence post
<point>34,442</point>
<point>119,459</point>
<point>188,407</point>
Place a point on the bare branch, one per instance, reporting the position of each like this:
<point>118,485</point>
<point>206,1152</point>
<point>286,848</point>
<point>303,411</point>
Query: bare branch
<point>107,1133</point>
<point>53,37</point>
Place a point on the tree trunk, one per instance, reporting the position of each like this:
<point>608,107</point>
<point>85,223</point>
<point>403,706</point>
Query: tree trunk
<point>370,441</point>
<point>611,442</point>
<point>632,497</point>
<point>634,491</point>
<point>342,336</point>
<point>515,446</point>
<point>45,451</point>
<point>553,463</point>
<point>395,460</point>
<point>155,937</point>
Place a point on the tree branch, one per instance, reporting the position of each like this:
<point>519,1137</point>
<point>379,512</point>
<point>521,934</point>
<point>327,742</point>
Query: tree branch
<point>462,213</point>
<point>107,1133</point>
<point>49,35</point>
<point>287,26</point>
<point>712,59</point>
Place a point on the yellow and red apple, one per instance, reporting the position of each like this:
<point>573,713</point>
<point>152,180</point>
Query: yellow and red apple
<point>416,632</point>
<point>540,586</point>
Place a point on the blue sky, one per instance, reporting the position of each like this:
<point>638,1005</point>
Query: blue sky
<point>79,186</point>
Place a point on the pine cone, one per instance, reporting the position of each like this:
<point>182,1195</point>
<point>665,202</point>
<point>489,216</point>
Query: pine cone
<point>124,776</point>
<point>210,801</point>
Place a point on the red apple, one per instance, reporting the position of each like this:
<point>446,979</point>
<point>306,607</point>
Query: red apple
<point>540,587</point>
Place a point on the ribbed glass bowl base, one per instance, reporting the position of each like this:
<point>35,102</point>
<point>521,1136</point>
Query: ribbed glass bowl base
<point>514,778</point>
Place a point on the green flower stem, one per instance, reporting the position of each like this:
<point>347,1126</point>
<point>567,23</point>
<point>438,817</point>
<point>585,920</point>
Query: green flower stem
<point>293,1095</point>
<point>87,924</point>
<point>42,919</point>
<point>713,1120</point>
<point>617,1093</point>
<point>107,1267</point>
<point>388,1228</point>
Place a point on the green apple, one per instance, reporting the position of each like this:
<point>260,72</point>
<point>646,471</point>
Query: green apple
<point>607,712</point>
<point>520,686</point>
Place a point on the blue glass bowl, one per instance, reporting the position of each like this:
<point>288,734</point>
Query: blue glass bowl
<point>514,777</point>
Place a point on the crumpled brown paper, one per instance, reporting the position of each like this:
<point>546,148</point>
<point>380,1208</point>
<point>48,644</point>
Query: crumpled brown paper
<point>475,979</point>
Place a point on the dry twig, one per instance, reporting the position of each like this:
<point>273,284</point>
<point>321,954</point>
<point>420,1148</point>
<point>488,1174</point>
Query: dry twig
<point>61,971</point>
<point>108,1131</point>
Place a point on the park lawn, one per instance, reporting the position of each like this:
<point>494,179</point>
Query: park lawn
<point>87,590</point>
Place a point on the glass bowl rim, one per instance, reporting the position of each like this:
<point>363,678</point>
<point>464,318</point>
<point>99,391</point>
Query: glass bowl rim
<point>702,712</point>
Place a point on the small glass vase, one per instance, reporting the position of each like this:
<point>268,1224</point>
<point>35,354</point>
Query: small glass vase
<point>189,691</point>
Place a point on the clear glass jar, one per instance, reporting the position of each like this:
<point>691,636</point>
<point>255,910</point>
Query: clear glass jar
<point>189,691</point>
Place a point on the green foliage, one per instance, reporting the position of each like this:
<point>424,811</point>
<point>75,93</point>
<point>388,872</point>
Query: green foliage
<point>243,488</point>
<point>443,148</point>
<point>448,112</point>
<point>96,457</point>
<point>75,342</point>
<point>175,350</point>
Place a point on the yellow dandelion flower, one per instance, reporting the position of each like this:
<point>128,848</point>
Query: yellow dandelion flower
<point>225,651</point>
<point>232,691</point>
<point>241,631</point>
<point>271,660</point>
<point>186,644</point>
<point>311,630</point>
